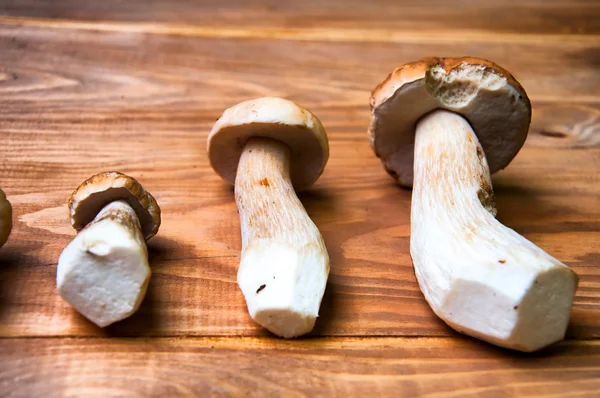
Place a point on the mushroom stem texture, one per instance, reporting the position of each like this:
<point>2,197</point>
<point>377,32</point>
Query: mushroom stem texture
<point>284,263</point>
<point>104,271</point>
<point>482,278</point>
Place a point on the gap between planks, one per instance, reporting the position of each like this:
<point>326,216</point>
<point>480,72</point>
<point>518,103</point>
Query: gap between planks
<point>306,342</point>
<point>304,34</point>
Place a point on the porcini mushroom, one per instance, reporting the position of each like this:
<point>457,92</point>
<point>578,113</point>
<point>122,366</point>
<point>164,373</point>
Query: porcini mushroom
<point>5,218</point>
<point>462,118</point>
<point>104,271</point>
<point>268,147</point>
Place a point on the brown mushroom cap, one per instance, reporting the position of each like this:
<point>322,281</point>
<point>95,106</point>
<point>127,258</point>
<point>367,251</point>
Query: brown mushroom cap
<point>101,189</point>
<point>5,218</point>
<point>485,94</point>
<point>274,118</point>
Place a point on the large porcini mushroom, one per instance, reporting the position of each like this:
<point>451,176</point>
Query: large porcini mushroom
<point>5,218</point>
<point>104,271</point>
<point>462,118</point>
<point>268,147</point>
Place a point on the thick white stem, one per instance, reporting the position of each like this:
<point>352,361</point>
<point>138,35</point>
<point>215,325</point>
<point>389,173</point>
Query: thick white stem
<point>284,263</point>
<point>481,278</point>
<point>104,271</point>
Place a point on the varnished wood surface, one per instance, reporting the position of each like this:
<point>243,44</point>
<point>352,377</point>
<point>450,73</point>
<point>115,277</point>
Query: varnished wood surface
<point>433,367</point>
<point>507,16</point>
<point>136,86</point>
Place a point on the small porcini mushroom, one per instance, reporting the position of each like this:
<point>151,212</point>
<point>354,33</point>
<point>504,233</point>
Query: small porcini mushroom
<point>268,147</point>
<point>5,218</point>
<point>481,278</point>
<point>104,271</point>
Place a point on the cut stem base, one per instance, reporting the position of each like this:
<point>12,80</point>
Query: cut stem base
<point>284,263</point>
<point>104,271</point>
<point>481,278</point>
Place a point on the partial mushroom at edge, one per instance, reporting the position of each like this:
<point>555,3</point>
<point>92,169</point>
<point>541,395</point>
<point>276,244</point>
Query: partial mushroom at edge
<point>441,125</point>
<point>5,218</point>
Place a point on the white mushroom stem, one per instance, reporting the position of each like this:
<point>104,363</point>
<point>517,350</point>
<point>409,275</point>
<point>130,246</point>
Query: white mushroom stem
<point>104,271</point>
<point>481,278</point>
<point>284,263</point>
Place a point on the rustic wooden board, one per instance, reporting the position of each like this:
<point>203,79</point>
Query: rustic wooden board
<point>136,86</point>
<point>79,101</point>
<point>394,16</point>
<point>436,367</point>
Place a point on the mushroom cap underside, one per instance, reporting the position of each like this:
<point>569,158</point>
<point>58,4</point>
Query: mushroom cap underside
<point>485,94</point>
<point>275,118</point>
<point>104,188</point>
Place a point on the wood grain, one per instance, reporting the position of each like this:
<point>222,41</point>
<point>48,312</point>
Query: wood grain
<point>135,86</point>
<point>154,69</point>
<point>507,16</point>
<point>78,101</point>
<point>435,367</point>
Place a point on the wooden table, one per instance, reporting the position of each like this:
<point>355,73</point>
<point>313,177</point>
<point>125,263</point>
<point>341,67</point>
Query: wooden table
<point>89,86</point>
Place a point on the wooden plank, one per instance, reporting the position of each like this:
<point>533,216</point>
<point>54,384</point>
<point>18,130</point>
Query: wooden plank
<point>508,16</point>
<point>139,73</point>
<point>76,102</point>
<point>435,367</point>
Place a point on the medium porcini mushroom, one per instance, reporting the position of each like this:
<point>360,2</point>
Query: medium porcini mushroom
<point>481,278</point>
<point>5,218</point>
<point>268,147</point>
<point>104,271</point>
